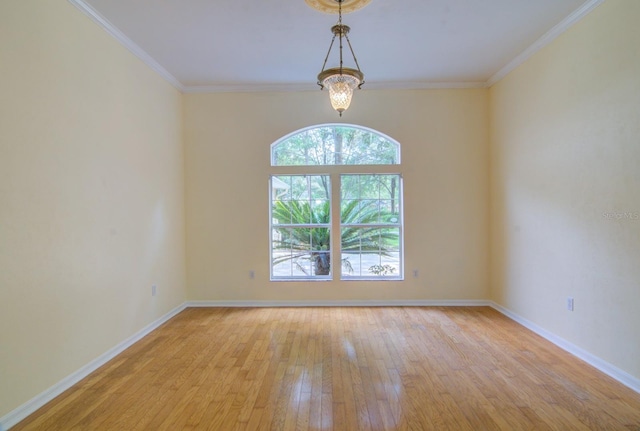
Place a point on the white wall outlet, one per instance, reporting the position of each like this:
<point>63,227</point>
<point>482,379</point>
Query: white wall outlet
<point>252,274</point>
<point>570,303</point>
<point>154,290</point>
<point>416,273</point>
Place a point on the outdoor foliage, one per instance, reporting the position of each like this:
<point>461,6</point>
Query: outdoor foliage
<point>335,145</point>
<point>313,243</point>
<point>369,205</point>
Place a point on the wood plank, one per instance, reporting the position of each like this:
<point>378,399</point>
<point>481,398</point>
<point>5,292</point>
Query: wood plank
<point>391,368</point>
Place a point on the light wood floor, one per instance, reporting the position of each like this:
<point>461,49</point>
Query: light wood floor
<point>396,368</point>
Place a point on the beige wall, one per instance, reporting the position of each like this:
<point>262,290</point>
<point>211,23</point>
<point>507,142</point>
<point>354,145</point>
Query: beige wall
<point>565,187</point>
<point>91,195</point>
<point>444,138</point>
<point>92,201</point>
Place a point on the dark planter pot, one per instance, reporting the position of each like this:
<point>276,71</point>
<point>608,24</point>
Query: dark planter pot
<point>322,264</point>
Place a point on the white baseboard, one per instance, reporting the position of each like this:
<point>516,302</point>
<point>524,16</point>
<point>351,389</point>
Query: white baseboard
<point>20,413</point>
<point>598,363</point>
<point>345,303</point>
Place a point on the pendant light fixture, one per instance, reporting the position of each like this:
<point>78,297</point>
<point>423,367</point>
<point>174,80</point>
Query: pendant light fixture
<point>341,81</point>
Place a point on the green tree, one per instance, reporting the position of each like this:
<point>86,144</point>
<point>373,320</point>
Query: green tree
<point>339,145</point>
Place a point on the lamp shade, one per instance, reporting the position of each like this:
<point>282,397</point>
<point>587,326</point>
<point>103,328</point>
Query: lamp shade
<point>341,84</point>
<point>341,90</point>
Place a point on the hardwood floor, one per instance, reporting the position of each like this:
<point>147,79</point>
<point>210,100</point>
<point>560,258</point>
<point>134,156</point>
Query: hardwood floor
<point>393,368</point>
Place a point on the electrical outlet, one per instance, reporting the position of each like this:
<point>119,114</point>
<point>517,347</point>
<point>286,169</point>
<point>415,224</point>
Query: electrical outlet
<point>252,274</point>
<point>154,290</point>
<point>415,273</point>
<point>570,303</point>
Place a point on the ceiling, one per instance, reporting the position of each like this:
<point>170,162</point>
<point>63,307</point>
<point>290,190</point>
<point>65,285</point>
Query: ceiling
<point>245,45</point>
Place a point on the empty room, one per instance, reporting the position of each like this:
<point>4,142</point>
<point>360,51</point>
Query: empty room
<point>320,215</point>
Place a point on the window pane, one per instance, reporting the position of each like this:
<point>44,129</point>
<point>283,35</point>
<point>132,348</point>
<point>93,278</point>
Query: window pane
<point>384,186</point>
<point>371,252</point>
<point>369,187</point>
<point>301,252</point>
<point>300,219</point>
<point>291,212</point>
<point>335,145</point>
<point>390,211</point>
<point>370,199</point>
<point>349,187</point>
<point>369,248</point>
<point>320,187</point>
<point>360,211</point>
<point>281,187</point>
<point>320,211</point>
<point>300,186</point>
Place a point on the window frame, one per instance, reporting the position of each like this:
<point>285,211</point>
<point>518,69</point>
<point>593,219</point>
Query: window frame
<point>272,227</point>
<point>398,225</point>
<point>272,149</point>
<point>335,173</point>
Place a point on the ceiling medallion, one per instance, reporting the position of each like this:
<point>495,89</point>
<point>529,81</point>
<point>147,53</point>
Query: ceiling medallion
<point>331,6</point>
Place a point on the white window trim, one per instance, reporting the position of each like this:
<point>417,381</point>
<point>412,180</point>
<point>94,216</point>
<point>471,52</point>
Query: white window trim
<point>399,225</point>
<point>335,172</point>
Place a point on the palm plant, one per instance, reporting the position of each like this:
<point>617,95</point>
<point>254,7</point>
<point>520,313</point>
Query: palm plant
<point>313,243</point>
<point>356,238</point>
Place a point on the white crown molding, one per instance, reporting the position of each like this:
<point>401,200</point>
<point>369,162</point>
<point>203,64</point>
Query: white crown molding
<point>250,88</point>
<point>126,42</point>
<point>426,85</point>
<point>262,88</point>
<point>598,363</point>
<point>546,39</point>
<point>245,88</point>
<point>20,413</point>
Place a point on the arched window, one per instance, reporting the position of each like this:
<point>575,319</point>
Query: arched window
<point>366,238</point>
<point>335,144</point>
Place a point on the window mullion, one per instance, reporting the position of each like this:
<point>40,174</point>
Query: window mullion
<point>336,243</point>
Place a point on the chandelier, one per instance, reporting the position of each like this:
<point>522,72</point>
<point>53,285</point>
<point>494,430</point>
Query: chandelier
<point>341,81</point>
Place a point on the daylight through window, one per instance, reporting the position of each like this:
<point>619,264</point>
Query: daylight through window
<point>364,239</point>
